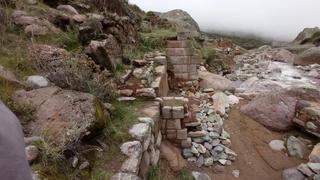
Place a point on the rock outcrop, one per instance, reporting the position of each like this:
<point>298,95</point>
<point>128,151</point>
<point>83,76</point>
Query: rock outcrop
<point>63,117</point>
<point>70,71</point>
<point>308,35</point>
<point>106,53</point>
<point>308,57</point>
<point>183,20</point>
<point>274,110</point>
<point>217,82</point>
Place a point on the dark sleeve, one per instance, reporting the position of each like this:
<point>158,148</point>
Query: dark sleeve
<point>13,162</point>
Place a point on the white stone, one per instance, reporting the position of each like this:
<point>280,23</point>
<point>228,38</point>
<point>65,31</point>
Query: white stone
<point>232,100</point>
<point>140,131</point>
<point>236,173</point>
<point>200,176</point>
<point>277,145</point>
<point>38,81</point>
<point>315,167</point>
<point>147,120</point>
<point>132,148</point>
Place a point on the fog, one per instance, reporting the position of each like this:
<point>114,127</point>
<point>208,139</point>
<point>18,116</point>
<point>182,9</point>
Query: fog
<point>278,20</point>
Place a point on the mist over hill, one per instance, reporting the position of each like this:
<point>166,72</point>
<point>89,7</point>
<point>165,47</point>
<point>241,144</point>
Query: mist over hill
<point>271,19</point>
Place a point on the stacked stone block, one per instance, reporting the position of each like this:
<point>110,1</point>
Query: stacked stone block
<point>174,111</point>
<point>182,59</point>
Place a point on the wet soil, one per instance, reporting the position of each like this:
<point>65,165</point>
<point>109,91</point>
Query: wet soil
<point>256,161</point>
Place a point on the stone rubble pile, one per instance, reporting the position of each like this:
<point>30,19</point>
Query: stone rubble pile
<point>210,142</point>
<point>148,78</point>
<point>309,170</point>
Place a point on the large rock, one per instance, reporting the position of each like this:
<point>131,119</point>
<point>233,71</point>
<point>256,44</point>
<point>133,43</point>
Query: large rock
<point>296,147</point>
<point>308,116</point>
<point>220,102</point>
<point>33,25</point>
<point>315,154</point>
<point>274,110</point>
<point>65,117</point>
<point>50,60</point>
<point>72,71</point>
<point>183,20</point>
<point>172,155</point>
<point>292,174</point>
<point>106,53</point>
<point>252,87</point>
<point>308,35</point>
<point>310,56</point>
<point>217,82</point>
<point>68,9</point>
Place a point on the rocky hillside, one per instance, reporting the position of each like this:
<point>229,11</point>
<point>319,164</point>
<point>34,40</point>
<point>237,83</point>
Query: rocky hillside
<point>104,90</point>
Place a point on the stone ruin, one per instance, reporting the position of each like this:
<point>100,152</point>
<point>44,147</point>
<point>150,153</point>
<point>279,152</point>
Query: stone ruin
<point>182,60</point>
<point>174,111</point>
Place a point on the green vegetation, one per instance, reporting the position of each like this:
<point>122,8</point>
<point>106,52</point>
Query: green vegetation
<point>247,42</point>
<point>208,53</point>
<point>52,164</point>
<point>123,117</point>
<point>155,40</point>
<point>184,175</point>
<point>315,38</point>
<point>154,173</point>
<point>68,40</point>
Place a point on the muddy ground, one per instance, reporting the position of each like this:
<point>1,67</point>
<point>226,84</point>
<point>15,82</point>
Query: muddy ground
<point>256,161</point>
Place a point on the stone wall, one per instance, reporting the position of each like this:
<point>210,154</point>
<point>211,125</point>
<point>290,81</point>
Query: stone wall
<point>175,115</point>
<point>148,78</point>
<point>182,59</point>
<point>142,153</point>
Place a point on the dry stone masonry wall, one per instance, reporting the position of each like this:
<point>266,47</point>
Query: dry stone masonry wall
<point>182,59</point>
<point>143,152</point>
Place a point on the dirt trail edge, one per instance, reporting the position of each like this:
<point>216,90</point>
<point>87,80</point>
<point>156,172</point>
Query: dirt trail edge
<point>255,160</point>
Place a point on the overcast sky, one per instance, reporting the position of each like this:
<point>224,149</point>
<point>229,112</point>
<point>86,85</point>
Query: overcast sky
<point>276,19</point>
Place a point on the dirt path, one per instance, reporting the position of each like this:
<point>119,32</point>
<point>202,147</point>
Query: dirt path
<point>256,161</point>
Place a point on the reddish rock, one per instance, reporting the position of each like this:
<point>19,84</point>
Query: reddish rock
<point>273,110</point>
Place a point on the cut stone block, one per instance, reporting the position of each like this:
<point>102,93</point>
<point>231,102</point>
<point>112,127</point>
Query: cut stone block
<point>178,44</point>
<point>173,124</point>
<point>178,112</point>
<point>166,112</point>
<point>178,60</point>
<point>179,52</point>
<point>192,69</point>
<point>186,143</point>
<point>171,134</point>
<point>184,68</point>
<point>182,134</point>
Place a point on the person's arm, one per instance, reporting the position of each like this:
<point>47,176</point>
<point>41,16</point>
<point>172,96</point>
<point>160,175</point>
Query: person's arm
<point>13,162</point>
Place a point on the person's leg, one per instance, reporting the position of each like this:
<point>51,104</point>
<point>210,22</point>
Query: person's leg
<point>13,162</point>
